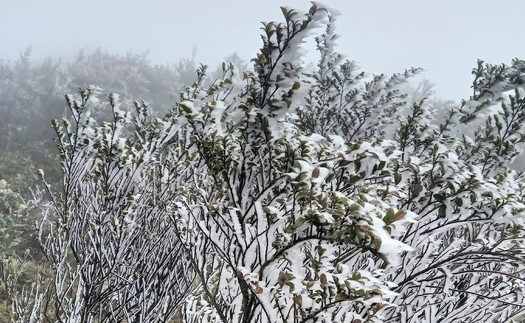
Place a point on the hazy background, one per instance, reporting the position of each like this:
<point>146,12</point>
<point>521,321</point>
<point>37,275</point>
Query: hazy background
<point>445,37</point>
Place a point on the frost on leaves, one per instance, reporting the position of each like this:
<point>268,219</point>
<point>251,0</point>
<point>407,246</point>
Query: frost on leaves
<point>109,238</point>
<point>284,194</point>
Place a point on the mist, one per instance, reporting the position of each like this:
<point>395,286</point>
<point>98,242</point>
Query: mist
<point>443,37</point>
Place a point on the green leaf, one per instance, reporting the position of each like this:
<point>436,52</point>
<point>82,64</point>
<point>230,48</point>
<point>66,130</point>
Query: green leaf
<point>185,108</point>
<point>397,178</point>
<point>360,293</point>
<point>389,217</point>
<point>459,201</point>
<point>341,297</point>
<point>442,211</point>
<point>357,165</point>
<point>343,163</point>
<point>417,189</point>
<point>440,197</point>
<point>298,223</point>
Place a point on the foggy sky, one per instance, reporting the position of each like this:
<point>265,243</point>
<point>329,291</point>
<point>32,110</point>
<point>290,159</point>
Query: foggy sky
<point>444,37</point>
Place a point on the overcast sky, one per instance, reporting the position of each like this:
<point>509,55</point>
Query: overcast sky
<point>444,37</point>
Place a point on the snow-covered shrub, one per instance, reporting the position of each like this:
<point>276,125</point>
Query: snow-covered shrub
<point>108,233</point>
<point>283,194</point>
<point>467,240</point>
